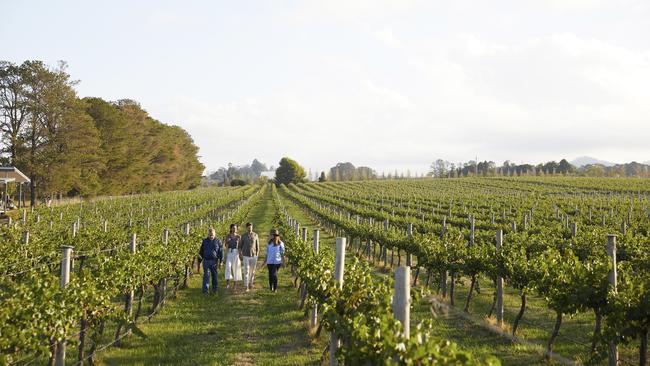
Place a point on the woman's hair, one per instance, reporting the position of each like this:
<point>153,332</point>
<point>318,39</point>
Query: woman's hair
<point>273,241</point>
<point>233,226</point>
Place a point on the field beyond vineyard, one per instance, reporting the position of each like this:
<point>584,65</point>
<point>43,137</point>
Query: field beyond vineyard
<point>572,255</point>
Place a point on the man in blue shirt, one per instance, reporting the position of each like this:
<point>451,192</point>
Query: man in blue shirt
<point>212,253</point>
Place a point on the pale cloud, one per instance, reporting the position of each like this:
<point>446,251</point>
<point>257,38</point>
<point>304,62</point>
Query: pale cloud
<point>345,10</point>
<point>582,5</point>
<point>387,84</point>
<point>546,98</point>
<point>385,95</point>
<point>385,35</point>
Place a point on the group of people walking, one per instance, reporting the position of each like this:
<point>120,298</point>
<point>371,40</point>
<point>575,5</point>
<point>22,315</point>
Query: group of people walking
<point>239,251</point>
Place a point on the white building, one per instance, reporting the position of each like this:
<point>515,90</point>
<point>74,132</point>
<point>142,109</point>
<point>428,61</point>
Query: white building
<point>270,174</point>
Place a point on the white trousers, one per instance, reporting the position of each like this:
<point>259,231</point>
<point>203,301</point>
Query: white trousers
<point>249,270</point>
<point>233,265</point>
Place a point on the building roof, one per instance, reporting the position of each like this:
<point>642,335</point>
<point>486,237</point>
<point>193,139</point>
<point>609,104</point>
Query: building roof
<point>268,173</point>
<point>11,173</point>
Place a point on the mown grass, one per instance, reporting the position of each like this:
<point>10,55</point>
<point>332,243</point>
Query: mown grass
<point>229,328</point>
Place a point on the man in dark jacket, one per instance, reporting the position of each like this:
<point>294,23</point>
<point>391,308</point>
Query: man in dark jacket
<point>212,253</point>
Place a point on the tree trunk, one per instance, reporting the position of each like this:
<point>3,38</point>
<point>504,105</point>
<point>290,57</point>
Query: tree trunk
<point>556,331</point>
<point>82,340</point>
<point>50,362</point>
<point>176,286</point>
<point>303,294</point>
<point>156,298</point>
<point>127,309</point>
<point>417,273</point>
<point>187,276</point>
<point>163,292</point>
<point>452,285</point>
<point>520,314</point>
<point>32,191</point>
<point>374,252</point>
<point>428,277</point>
<point>96,336</point>
<point>643,347</point>
<point>596,336</point>
<point>140,298</point>
<point>32,160</point>
<point>469,293</point>
<point>494,305</point>
<point>443,283</point>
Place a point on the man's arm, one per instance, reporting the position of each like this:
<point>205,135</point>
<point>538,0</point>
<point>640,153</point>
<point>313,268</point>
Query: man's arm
<point>282,253</point>
<point>240,247</point>
<point>219,253</point>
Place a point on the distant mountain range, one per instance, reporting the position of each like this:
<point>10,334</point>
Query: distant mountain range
<point>588,160</point>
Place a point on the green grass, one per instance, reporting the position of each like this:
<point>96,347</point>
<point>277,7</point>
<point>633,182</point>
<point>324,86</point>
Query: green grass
<point>229,328</point>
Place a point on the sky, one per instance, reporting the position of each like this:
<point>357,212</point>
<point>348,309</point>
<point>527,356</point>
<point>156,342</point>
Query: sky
<point>393,85</point>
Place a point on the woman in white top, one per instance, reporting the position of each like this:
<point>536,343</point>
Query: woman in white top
<point>233,264</point>
<point>274,258</point>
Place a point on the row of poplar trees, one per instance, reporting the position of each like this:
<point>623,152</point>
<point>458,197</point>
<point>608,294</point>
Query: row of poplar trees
<point>86,146</point>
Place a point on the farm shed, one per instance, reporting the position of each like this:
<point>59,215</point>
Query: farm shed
<point>8,175</point>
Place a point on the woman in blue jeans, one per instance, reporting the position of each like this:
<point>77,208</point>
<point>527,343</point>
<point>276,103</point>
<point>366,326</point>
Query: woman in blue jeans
<point>274,258</point>
<point>212,254</point>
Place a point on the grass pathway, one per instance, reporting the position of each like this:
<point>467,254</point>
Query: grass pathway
<point>229,328</point>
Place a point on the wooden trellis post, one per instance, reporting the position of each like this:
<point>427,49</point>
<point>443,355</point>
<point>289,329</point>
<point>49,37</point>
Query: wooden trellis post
<point>65,279</point>
<point>314,312</point>
<point>611,252</point>
<point>339,265</point>
<point>402,299</point>
<point>499,305</point>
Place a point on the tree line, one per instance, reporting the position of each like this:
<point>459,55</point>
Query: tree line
<point>86,146</point>
<point>236,175</point>
<point>347,171</point>
<point>444,169</point>
<point>288,171</point>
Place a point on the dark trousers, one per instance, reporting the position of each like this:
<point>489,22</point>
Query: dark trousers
<point>209,269</point>
<point>273,275</point>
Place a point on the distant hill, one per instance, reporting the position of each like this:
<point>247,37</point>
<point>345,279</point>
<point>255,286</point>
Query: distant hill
<point>588,160</point>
